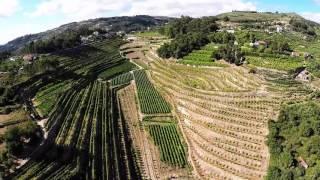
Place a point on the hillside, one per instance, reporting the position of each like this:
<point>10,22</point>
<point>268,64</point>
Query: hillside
<point>266,20</point>
<point>197,98</point>
<point>253,16</point>
<point>112,24</point>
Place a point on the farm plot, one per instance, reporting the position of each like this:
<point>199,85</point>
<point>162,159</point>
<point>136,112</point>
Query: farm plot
<point>150,99</point>
<point>225,126</point>
<point>84,129</point>
<point>122,79</point>
<point>166,137</point>
<point>203,57</point>
<point>86,134</point>
<point>46,97</point>
<point>283,64</point>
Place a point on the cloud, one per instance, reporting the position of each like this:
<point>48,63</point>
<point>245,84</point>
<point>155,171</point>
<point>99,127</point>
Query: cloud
<point>193,8</point>
<point>317,1</point>
<point>311,16</point>
<point>84,9</point>
<point>21,29</point>
<point>8,7</point>
<point>78,9</point>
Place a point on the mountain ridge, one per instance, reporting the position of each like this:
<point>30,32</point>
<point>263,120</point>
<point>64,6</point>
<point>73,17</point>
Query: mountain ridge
<point>121,23</point>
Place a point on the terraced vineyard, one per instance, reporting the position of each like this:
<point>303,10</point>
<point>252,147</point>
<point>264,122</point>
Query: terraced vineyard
<point>284,64</point>
<point>224,116</point>
<point>167,138</point>
<point>203,57</point>
<point>109,120</point>
<point>84,129</point>
<point>151,101</point>
<point>45,99</point>
<point>122,79</point>
<point>84,136</point>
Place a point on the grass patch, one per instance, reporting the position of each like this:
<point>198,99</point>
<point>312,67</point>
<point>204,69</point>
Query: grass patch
<point>117,70</point>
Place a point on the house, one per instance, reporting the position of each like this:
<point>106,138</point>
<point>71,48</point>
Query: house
<point>307,56</point>
<point>228,31</point>
<point>262,43</point>
<point>30,58</point>
<point>295,54</point>
<point>96,33</point>
<point>84,39</point>
<point>13,58</point>
<point>258,43</point>
<point>120,33</point>
<point>131,37</point>
<point>231,31</point>
<point>279,29</point>
<point>302,162</point>
<point>304,76</point>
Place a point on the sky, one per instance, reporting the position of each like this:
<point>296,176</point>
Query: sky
<point>21,17</point>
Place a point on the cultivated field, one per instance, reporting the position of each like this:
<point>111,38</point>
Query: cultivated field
<point>222,112</point>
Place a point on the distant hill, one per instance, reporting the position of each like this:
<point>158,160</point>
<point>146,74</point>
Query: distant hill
<point>254,16</point>
<point>125,23</point>
<point>267,20</point>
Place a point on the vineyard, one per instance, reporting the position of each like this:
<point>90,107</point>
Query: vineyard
<point>151,101</point>
<point>159,146</point>
<point>224,115</point>
<point>283,64</point>
<point>83,122</point>
<point>46,97</point>
<point>84,129</point>
<point>114,111</point>
<point>122,79</point>
<point>203,57</point>
<point>167,138</point>
<point>98,60</point>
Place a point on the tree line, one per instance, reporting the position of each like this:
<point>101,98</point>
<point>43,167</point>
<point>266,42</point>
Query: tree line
<point>64,40</point>
<point>187,34</point>
<point>295,136</point>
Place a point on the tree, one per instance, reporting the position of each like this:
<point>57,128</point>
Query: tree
<point>306,130</point>
<point>286,160</point>
<point>12,139</point>
<point>188,34</point>
<point>273,173</point>
<point>230,53</point>
<point>313,146</point>
<point>226,18</point>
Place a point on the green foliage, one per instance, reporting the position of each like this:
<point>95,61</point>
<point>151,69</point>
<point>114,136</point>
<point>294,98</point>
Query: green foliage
<point>284,64</point>
<point>13,136</point>
<point>186,25</point>
<point>4,55</point>
<point>295,136</point>
<point>188,34</point>
<point>222,37</point>
<point>122,79</point>
<point>47,96</point>
<point>167,138</point>
<point>10,66</point>
<point>124,67</point>
<point>40,66</point>
<point>230,53</point>
<point>182,45</point>
<point>304,26</point>
<point>65,40</point>
<point>151,101</point>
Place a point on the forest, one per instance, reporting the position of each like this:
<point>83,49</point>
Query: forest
<point>294,142</point>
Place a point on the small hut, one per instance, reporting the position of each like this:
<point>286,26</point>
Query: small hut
<point>302,162</point>
<point>304,76</point>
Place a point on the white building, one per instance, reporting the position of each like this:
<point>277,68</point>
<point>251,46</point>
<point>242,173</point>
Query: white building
<point>279,29</point>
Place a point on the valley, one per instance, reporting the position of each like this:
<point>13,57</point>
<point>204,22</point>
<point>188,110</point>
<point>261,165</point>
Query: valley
<point>189,99</point>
